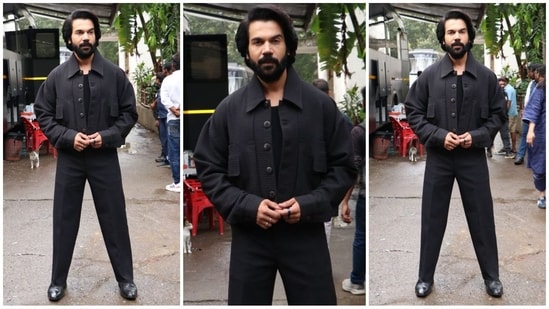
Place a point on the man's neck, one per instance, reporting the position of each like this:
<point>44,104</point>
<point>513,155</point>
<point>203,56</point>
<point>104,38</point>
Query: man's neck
<point>459,64</point>
<point>274,92</point>
<point>85,64</point>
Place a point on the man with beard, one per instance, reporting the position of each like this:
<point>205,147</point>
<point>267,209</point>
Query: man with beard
<point>86,108</point>
<point>456,108</point>
<point>276,159</point>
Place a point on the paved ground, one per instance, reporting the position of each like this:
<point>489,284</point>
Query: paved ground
<point>206,270</point>
<point>153,218</point>
<point>394,229</point>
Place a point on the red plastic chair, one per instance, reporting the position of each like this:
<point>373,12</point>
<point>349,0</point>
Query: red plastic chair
<point>197,202</point>
<point>404,136</point>
<point>35,137</point>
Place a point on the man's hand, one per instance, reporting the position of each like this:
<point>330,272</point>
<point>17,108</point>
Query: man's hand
<point>290,211</point>
<point>466,140</point>
<point>451,141</point>
<point>81,141</point>
<point>346,212</point>
<point>267,214</point>
<point>95,140</point>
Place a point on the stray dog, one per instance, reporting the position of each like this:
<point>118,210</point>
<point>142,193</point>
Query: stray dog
<point>34,157</point>
<point>412,154</point>
<point>187,227</point>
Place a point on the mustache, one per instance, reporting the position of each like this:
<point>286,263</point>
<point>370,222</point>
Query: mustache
<point>267,59</point>
<point>458,44</point>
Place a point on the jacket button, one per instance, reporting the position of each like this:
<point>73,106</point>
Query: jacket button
<point>267,103</point>
<point>454,86</point>
<point>453,100</point>
<point>80,85</point>
<point>267,124</point>
<point>272,194</point>
<point>79,99</point>
<point>269,170</point>
<point>453,115</point>
<point>81,115</point>
<point>267,146</point>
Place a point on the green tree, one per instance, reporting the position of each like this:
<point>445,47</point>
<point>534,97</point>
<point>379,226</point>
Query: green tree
<point>335,38</point>
<point>521,25</point>
<point>157,24</point>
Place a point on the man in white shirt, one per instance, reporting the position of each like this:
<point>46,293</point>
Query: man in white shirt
<point>170,94</point>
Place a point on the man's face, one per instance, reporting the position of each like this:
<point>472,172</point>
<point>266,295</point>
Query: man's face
<point>531,74</point>
<point>502,84</point>
<point>267,50</point>
<point>456,38</point>
<point>83,38</point>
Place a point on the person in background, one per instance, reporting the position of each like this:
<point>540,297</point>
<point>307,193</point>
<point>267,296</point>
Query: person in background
<point>160,114</point>
<point>531,69</point>
<point>171,96</point>
<point>355,283</point>
<point>535,117</point>
<point>512,113</point>
<point>456,107</point>
<point>323,86</point>
<point>276,160</point>
<point>86,107</point>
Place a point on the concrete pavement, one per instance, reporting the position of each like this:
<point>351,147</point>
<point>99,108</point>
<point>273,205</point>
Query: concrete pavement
<point>395,187</point>
<point>153,219</point>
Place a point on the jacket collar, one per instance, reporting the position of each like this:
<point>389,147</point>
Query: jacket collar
<point>471,66</point>
<point>292,91</point>
<point>73,67</point>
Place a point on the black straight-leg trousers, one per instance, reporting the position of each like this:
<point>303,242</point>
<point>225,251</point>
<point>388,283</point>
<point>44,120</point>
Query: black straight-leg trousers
<point>298,251</point>
<point>102,170</point>
<point>470,169</point>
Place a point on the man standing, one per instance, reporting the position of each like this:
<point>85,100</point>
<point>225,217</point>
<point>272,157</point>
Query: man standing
<point>531,69</point>
<point>86,108</point>
<point>170,94</point>
<point>276,159</point>
<point>456,107</point>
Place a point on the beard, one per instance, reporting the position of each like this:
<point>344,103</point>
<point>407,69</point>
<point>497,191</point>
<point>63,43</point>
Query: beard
<point>84,50</point>
<point>268,69</point>
<point>457,50</point>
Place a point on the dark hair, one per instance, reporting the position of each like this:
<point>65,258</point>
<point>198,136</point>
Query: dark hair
<point>66,30</point>
<point>175,61</point>
<point>532,66</point>
<point>541,70</point>
<point>456,14</point>
<point>321,84</point>
<point>266,13</point>
<point>503,79</point>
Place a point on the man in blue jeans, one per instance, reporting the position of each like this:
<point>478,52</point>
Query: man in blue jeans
<point>171,98</point>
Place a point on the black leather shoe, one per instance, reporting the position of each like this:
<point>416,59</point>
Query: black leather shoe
<point>423,288</point>
<point>494,288</point>
<point>128,290</point>
<point>56,292</point>
<point>519,161</point>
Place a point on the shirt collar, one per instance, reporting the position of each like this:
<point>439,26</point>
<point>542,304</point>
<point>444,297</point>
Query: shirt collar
<point>292,91</point>
<point>74,68</point>
<point>471,66</point>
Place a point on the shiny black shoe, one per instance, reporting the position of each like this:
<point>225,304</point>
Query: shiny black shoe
<point>128,290</point>
<point>423,289</point>
<point>519,161</point>
<point>494,288</point>
<point>56,292</point>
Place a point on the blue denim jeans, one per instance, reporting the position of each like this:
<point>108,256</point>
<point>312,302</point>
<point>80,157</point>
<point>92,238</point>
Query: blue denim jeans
<point>173,149</point>
<point>163,134</point>
<point>358,275</point>
<point>521,151</point>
